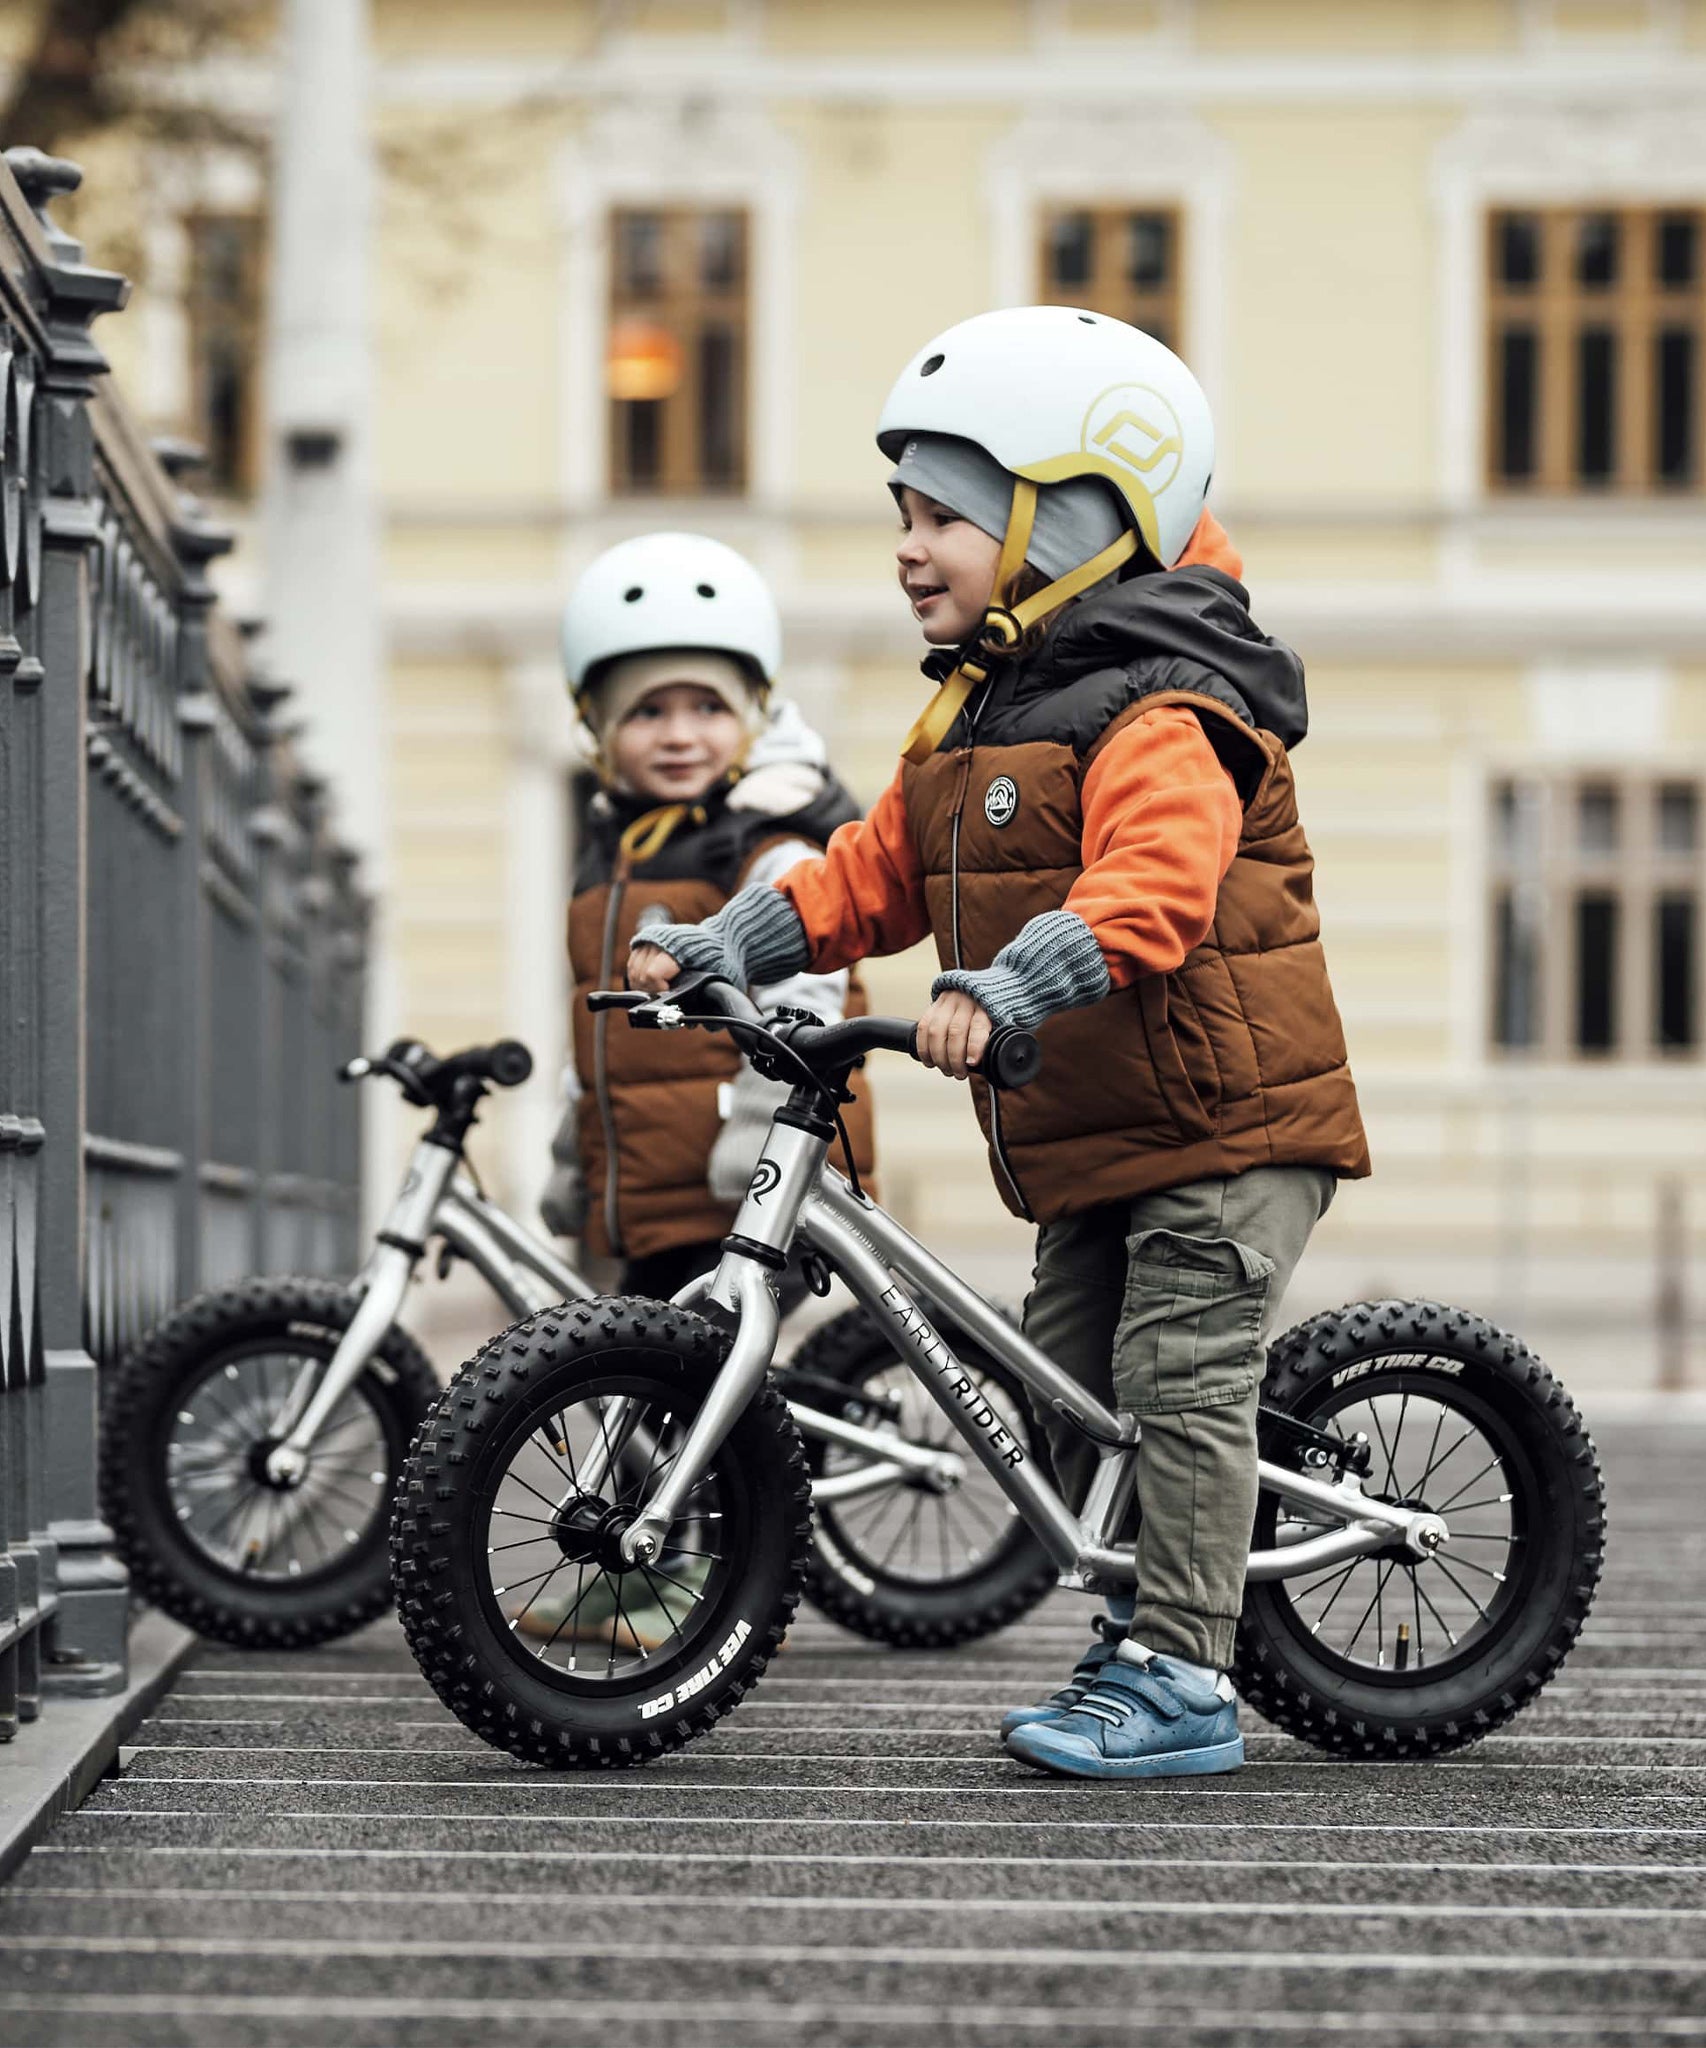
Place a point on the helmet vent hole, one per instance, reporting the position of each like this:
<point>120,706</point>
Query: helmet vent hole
<point>707,590</point>
<point>1089,319</point>
<point>929,368</point>
<point>633,596</point>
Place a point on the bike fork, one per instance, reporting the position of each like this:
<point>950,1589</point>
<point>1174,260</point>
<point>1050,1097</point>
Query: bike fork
<point>384,1282</point>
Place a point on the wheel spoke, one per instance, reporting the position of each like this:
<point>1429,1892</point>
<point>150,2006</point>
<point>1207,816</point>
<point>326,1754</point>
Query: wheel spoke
<point>1464,1488</point>
<point>1480,1611</point>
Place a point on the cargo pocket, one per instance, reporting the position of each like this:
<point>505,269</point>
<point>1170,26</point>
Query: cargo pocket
<point>1190,1330</point>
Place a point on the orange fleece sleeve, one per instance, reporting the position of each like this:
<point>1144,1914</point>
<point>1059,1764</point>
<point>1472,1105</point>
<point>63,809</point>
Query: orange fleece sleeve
<point>865,895</point>
<point>1162,822</point>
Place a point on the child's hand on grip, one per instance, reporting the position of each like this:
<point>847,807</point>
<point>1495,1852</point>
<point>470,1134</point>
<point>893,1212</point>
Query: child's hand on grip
<point>952,1033</point>
<point>650,968</point>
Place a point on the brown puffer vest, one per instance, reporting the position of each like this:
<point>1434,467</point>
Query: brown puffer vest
<point>1238,1058</point>
<point>649,1112</point>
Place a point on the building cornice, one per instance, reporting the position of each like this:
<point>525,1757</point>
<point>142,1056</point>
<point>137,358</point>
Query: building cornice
<point>1639,75</point>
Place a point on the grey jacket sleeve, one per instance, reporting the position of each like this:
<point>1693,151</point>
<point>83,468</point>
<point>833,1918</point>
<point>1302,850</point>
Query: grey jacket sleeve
<point>756,937</point>
<point>1053,964</point>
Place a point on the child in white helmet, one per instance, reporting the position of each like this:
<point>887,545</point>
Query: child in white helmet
<point>709,785</point>
<point>671,643</point>
<point>1095,816</point>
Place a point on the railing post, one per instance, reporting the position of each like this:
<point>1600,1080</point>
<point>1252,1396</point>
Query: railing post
<point>87,1636</point>
<point>196,543</point>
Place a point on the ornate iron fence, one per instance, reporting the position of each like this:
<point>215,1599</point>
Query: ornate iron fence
<point>182,947</point>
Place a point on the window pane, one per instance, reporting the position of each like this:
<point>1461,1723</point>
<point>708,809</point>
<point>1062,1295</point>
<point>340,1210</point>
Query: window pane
<point>639,441</point>
<point>1072,246</point>
<point>1517,248</point>
<point>1596,818</point>
<point>1597,250</point>
<point>720,250</point>
<point>1674,1024</point>
<point>1679,248</point>
<point>719,409</point>
<point>225,374</point>
<point>1676,352</point>
<point>1516,975</point>
<point>1596,971</point>
<point>639,254</point>
<point>1679,817</point>
<point>1149,250</point>
<point>1519,382</point>
<point>1596,407</point>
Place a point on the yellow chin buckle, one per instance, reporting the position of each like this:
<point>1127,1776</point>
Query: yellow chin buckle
<point>650,833</point>
<point>1005,623</point>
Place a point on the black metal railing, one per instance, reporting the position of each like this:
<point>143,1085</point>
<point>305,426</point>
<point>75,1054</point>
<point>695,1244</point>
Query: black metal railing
<point>182,945</point>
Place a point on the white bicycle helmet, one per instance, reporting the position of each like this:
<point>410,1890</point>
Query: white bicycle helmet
<point>1054,392</point>
<point>670,590</point>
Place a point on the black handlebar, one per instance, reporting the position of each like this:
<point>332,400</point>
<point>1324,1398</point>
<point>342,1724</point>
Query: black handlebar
<point>1011,1059</point>
<point>432,1083</point>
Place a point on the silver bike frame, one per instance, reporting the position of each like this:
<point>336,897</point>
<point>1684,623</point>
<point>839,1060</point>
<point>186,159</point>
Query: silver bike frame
<point>439,1199</point>
<point>793,1191</point>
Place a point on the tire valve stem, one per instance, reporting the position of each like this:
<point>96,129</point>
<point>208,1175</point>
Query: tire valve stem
<point>1402,1655</point>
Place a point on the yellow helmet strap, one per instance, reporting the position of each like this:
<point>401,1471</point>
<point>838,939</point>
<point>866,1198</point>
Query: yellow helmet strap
<point>1005,624</point>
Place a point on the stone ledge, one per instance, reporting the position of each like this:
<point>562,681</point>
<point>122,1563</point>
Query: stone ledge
<point>54,1763</point>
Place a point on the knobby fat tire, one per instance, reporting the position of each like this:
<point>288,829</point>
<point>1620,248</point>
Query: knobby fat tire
<point>308,1317</point>
<point>1277,1674</point>
<point>530,1369</point>
<point>914,1616</point>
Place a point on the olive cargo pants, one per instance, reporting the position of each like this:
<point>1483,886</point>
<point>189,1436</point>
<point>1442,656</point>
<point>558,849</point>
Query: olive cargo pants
<point>1175,1291</point>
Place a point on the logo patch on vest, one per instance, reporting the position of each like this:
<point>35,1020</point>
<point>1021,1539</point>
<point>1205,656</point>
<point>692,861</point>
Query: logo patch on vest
<point>1001,800</point>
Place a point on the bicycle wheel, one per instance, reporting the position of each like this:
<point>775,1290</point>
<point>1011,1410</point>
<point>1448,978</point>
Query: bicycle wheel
<point>187,1426</point>
<point>1392,1655</point>
<point>513,1591</point>
<point>908,1564</point>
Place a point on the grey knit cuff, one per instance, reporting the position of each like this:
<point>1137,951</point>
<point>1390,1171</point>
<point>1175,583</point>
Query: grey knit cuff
<point>757,937</point>
<point>1054,964</point>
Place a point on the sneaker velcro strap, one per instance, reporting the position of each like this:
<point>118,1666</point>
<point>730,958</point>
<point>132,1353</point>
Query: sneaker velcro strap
<point>1133,1686</point>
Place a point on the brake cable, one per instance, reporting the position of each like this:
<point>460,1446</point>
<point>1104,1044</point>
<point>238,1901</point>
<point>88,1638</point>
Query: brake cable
<point>773,1044</point>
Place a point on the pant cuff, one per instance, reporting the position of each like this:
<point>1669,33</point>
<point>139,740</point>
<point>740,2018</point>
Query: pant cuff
<point>1176,1632</point>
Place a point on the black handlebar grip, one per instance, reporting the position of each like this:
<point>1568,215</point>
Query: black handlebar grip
<point>509,1062</point>
<point>617,998</point>
<point>1012,1058</point>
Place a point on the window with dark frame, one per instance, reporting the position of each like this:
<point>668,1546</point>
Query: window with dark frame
<point>1594,340</point>
<point>676,353</point>
<point>1122,260</point>
<point>1596,890</point>
<point>223,304</point>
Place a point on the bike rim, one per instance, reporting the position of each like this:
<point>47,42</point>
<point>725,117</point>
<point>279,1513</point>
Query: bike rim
<point>563,1484</point>
<point>909,1534</point>
<point>1389,1618</point>
<point>225,1508</point>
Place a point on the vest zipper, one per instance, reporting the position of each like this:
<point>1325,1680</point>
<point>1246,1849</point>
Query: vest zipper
<point>600,1068</point>
<point>996,1144</point>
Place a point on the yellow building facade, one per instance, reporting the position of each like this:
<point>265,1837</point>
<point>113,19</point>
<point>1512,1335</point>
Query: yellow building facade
<point>1442,270</point>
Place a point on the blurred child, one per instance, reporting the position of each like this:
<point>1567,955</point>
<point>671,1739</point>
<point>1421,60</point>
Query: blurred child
<point>709,786</point>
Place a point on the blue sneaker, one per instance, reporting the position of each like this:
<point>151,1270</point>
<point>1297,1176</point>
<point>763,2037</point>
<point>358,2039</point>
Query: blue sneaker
<point>1159,1719</point>
<point>1109,1635</point>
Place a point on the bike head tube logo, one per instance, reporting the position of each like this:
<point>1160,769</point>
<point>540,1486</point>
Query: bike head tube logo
<point>1001,801</point>
<point>766,1177</point>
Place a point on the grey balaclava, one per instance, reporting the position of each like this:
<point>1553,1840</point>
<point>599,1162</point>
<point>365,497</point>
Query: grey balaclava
<point>1074,520</point>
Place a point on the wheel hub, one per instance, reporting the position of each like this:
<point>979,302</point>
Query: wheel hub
<point>257,1460</point>
<point>1431,1536</point>
<point>590,1531</point>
